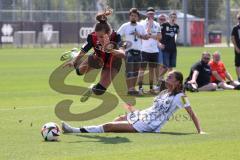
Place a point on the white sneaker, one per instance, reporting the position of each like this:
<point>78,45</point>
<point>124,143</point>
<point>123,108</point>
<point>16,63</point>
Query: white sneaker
<point>66,128</point>
<point>87,94</point>
<point>156,88</point>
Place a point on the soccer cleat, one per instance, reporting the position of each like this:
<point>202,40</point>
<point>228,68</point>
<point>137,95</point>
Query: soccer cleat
<point>87,94</point>
<point>69,55</point>
<point>133,93</point>
<point>66,128</point>
<point>156,88</point>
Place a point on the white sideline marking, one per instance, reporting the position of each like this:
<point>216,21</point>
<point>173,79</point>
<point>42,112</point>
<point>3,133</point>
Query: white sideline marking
<point>21,107</point>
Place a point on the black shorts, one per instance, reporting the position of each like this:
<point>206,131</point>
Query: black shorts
<point>149,58</point>
<point>201,84</point>
<point>133,62</point>
<point>237,59</point>
<point>96,62</point>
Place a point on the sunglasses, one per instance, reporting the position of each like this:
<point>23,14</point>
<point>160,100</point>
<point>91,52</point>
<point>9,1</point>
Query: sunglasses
<point>206,58</point>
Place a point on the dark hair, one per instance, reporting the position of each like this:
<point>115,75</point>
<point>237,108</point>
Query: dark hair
<point>179,77</point>
<point>134,10</point>
<point>102,24</point>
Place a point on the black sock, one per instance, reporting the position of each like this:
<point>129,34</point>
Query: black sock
<point>140,85</point>
<point>151,85</point>
<point>83,130</point>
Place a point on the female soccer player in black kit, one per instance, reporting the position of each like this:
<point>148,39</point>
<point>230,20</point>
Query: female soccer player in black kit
<point>106,56</point>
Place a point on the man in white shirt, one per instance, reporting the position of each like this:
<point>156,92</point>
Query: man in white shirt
<point>133,33</point>
<point>150,48</point>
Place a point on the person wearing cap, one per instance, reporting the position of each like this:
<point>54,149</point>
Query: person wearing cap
<point>149,48</point>
<point>133,33</point>
<point>169,33</point>
<point>220,75</point>
<point>236,43</point>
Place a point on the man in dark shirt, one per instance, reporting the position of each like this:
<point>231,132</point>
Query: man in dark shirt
<point>236,43</point>
<point>169,31</point>
<point>200,74</point>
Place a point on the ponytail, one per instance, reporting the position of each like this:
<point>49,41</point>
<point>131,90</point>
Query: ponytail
<point>102,24</point>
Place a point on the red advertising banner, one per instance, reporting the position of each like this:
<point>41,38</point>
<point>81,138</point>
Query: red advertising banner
<point>197,33</point>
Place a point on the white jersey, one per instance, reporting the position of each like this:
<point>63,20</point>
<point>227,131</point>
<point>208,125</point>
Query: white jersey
<point>127,29</point>
<point>159,113</point>
<point>150,45</point>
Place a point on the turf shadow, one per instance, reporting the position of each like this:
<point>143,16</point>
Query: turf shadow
<point>176,133</point>
<point>104,139</point>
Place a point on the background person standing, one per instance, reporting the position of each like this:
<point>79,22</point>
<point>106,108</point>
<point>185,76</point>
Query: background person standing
<point>132,33</point>
<point>169,31</point>
<point>149,48</point>
<point>236,43</point>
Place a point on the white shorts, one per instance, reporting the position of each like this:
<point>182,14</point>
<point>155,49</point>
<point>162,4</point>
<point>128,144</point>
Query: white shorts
<point>139,125</point>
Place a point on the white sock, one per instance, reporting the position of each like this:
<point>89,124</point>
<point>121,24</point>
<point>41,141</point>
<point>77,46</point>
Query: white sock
<point>94,129</point>
<point>76,130</point>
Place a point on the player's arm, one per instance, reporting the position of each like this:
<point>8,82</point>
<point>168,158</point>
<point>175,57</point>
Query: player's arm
<point>235,44</point>
<point>142,34</point>
<point>117,51</point>
<point>217,76</point>
<point>194,119</point>
<point>157,37</point>
<point>228,76</point>
<point>129,107</point>
<point>194,77</point>
<point>176,35</point>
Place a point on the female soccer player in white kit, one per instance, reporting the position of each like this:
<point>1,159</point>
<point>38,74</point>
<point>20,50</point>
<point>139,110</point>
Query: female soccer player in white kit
<point>151,119</point>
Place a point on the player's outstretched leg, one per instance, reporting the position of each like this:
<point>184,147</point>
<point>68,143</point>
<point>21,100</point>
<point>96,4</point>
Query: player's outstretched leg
<point>118,127</point>
<point>87,94</point>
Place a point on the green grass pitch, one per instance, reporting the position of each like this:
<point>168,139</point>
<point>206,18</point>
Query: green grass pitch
<point>27,102</point>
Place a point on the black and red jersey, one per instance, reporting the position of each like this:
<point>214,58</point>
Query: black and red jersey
<point>92,42</point>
